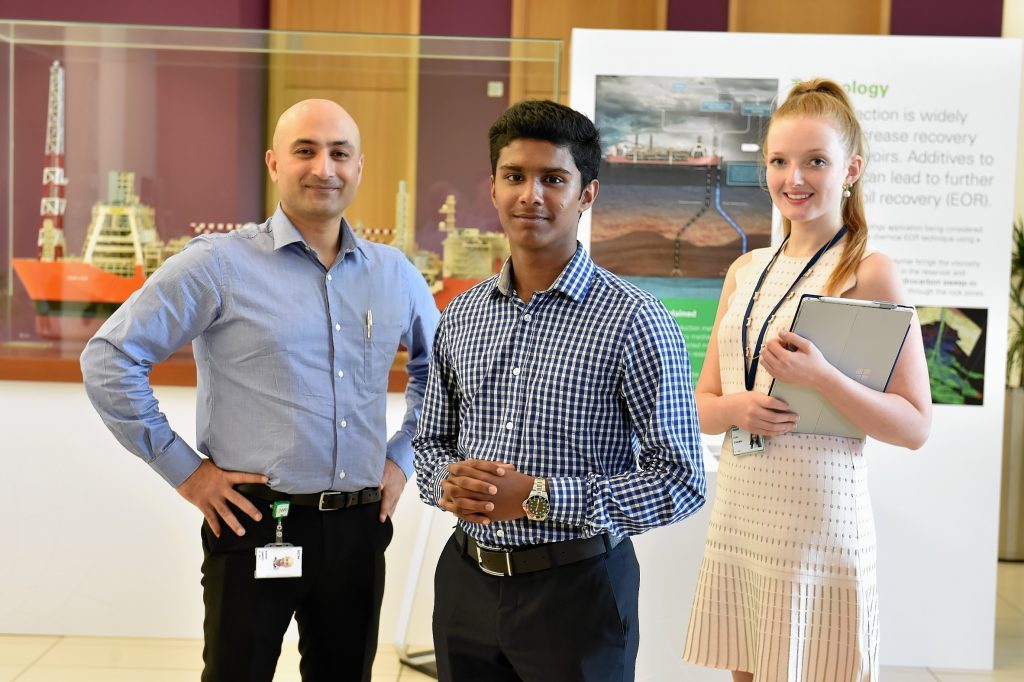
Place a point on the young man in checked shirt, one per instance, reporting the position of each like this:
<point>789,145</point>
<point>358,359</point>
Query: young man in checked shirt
<point>558,420</point>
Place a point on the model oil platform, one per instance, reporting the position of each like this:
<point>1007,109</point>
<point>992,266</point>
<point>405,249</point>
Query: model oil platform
<point>74,295</point>
<point>469,254</point>
<point>403,237</point>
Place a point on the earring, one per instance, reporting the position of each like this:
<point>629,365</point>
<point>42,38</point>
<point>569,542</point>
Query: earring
<point>846,191</point>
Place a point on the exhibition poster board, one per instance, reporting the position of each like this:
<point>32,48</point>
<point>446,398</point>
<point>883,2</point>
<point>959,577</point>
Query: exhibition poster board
<point>682,117</point>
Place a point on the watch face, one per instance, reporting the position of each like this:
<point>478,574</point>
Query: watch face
<point>537,507</point>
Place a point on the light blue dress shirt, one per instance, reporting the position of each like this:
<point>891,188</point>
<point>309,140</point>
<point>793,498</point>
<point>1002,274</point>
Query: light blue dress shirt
<point>292,358</point>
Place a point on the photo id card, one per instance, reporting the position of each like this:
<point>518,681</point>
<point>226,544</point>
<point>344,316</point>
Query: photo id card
<point>279,561</point>
<point>745,443</point>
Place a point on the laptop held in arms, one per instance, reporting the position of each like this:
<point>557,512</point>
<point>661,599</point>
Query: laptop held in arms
<point>862,339</point>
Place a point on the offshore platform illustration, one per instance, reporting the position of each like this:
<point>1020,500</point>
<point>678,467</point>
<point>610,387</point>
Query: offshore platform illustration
<point>697,155</point>
<point>73,295</point>
<point>681,173</point>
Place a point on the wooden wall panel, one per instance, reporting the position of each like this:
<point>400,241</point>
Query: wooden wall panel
<point>810,16</point>
<point>358,16</point>
<point>543,19</point>
<point>381,93</point>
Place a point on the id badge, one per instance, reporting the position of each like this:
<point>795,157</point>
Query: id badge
<point>745,443</point>
<point>279,561</point>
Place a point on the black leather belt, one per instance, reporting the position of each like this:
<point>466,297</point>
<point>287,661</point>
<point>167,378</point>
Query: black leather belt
<point>537,558</point>
<point>325,501</point>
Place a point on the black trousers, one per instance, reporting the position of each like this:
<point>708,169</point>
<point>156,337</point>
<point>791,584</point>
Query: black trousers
<point>336,602</point>
<point>569,623</point>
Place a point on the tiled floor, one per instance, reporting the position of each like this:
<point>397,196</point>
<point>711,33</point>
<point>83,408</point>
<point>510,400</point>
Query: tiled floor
<point>92,659</point>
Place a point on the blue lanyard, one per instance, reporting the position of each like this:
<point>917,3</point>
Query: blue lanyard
<point>750,365</point>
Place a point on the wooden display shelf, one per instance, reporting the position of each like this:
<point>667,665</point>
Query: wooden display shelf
<point>59,362</point>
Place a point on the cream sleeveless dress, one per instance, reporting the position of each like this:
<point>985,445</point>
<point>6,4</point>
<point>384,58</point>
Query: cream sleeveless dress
<point>787,585</point>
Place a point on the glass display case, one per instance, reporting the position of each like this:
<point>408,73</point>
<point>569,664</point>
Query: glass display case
<point>123,142</point>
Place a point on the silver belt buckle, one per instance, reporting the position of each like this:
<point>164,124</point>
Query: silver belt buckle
<point>480,563</point>
<point>323,496</point>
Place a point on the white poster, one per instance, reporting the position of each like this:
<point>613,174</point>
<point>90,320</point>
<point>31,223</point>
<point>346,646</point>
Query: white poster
<point>682,116</point>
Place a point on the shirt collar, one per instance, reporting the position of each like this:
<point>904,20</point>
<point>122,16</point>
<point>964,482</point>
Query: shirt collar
<point>574,280</point>
<point>285,233</point>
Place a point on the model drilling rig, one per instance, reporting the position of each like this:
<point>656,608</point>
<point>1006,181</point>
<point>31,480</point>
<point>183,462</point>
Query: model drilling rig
<point>51,208</point>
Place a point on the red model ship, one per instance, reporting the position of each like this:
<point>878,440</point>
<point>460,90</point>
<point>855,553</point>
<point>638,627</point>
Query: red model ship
<point>74,295</point>
<point>72,299</point>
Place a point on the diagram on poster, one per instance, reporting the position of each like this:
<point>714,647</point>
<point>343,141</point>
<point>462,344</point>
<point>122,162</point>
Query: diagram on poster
<point>681,196</point>
<point>954,346</point>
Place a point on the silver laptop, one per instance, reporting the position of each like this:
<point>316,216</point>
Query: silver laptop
<point>862,339</point>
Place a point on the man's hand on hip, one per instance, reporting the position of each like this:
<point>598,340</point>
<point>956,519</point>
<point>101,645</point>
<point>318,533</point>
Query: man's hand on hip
<point>391,486</point>
<point>210,488</point>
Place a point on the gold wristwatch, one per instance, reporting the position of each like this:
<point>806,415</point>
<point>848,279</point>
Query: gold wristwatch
<point>537,504</point>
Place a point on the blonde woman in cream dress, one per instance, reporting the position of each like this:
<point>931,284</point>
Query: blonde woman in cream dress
<point>787,586</point>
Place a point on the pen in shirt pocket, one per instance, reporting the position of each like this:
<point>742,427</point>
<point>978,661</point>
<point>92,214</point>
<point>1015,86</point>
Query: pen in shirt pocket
<point>369,322</point>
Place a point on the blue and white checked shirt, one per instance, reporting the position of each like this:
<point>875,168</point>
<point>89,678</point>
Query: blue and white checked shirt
<point>587,385</point>
<point>289,384</point>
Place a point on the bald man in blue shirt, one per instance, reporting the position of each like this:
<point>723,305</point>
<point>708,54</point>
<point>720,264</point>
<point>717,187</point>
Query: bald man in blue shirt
<point>294,325</point>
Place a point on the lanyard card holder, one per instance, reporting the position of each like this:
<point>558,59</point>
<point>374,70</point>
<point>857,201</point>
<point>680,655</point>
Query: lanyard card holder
<point>279,559</point>
<point>745,443</point>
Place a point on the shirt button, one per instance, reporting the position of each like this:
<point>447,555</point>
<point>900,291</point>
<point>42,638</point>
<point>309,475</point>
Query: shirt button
<point>526,317</point>
<point>508,426</point>
<point>341,474</point>
<point>500,533</point>
<point>337,327</point>
<point>515,371</point>
<point>329,278</point>
<point>341,374</point>
<point>343,423</point>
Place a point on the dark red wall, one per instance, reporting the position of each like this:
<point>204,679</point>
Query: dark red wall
<point>698,15</point>
<point>947,18</point>
<point>455,114</point>
<point>216,13</point>
<point>491,19</point>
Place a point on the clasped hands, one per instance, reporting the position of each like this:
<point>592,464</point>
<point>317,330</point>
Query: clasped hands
<point>480,491</point>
